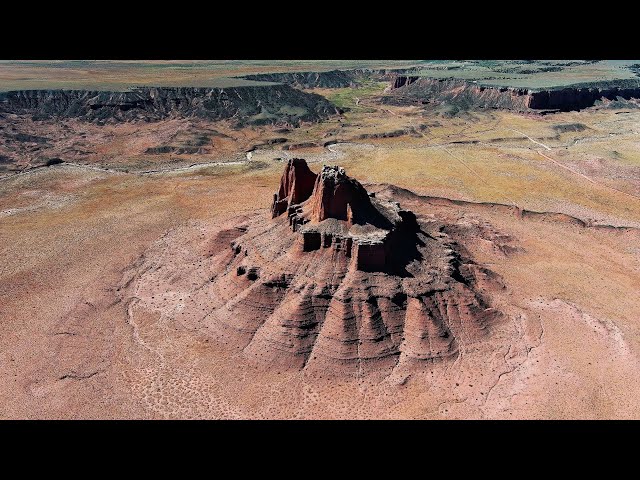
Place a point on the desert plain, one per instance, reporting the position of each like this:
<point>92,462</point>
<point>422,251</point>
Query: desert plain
<point>105,249</point>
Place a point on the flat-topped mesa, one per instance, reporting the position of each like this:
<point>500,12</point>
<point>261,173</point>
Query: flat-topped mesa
<point>296,186</point>
<point>340,215</point>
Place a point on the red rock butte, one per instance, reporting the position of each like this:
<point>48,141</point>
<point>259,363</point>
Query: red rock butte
<point>296,186</point>
<point>340,282</point>
<point>338,213</point>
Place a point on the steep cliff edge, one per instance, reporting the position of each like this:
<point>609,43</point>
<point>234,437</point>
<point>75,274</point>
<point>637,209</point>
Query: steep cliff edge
<point>339,213</point>
<point>461,93</point>
<point>582,96</point>
<point>249,104</point>
<point>467,95</point>
<point>296,186</point>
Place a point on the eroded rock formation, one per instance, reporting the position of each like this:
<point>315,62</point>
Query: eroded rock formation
<point>247,104</point>
<point>401,81</point>
<point>340,282</point>
<point>579,97</point>
<point>296,185</point>
<point>459,93</point>
<point>340,214</point>
<point>465,94</point>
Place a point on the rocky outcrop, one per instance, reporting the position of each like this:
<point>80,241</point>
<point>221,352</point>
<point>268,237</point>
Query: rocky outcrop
<point>578,98</point>
<point>466,95</point>
<point>402,80</point>
<point>340,283</point>
<point>460,93</point>
<point>296,186</point>
<point>271,104</point>
<point>340,214</point>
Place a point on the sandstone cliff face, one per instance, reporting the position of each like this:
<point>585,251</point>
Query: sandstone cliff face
<point>336,196</point>
<point>339,213</point>
<point>355,284</point>
<point>577,98</point>
<point>252,104</point>
<point>469,95</point>
<point>296,185</point>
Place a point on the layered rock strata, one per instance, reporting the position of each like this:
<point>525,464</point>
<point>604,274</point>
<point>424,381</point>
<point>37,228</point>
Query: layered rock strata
<point>341,282</point>
<point>247,104</point>
<point>468,94</point>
